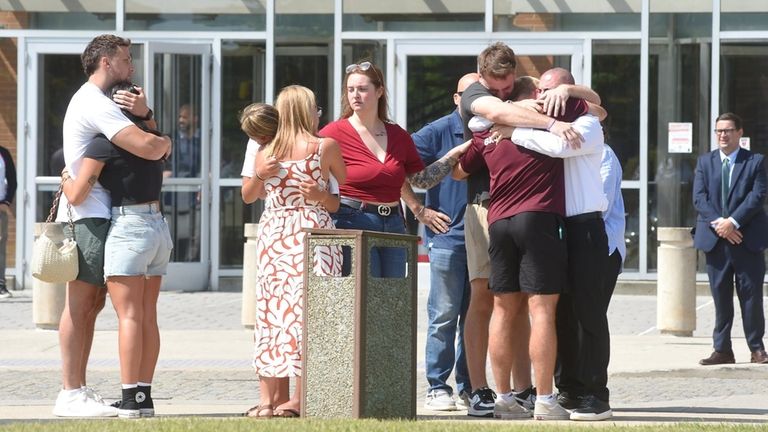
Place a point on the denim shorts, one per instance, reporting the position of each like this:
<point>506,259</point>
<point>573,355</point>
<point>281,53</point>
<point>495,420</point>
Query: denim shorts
<point>139,242</point>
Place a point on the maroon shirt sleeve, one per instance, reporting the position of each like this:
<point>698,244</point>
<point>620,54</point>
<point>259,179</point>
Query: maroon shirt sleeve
<point>574,108</point>
<point>472,160</point>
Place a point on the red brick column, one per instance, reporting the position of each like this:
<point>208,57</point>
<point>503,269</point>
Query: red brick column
<point>8,93</point>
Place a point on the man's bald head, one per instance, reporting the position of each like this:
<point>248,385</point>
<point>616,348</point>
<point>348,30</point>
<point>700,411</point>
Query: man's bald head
<point>466,80</point>
<point>554,77</point>
<point>462,85</point>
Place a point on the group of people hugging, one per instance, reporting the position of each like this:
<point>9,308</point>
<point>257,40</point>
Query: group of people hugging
<point>544,200</point>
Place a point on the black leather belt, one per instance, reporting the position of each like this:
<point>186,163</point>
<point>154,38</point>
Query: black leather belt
<point>584,217</point>
<point>381,210</point>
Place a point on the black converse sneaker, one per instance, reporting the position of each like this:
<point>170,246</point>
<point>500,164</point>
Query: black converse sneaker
<point>481,403</point>
<point>146,405</point>
<point>129,406</point>
<point>144,398</point>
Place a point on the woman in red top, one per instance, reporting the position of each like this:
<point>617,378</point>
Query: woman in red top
<point>379,156</point>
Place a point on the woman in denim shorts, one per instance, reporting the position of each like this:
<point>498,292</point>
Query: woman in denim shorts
<point>136,256</point>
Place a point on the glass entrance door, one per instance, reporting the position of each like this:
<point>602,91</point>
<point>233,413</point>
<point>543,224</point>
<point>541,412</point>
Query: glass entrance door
<point>177,86</point>
<point>173,76</point>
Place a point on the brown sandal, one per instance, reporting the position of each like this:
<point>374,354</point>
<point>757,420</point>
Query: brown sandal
<point>287,413</point>
<point>256,412</point>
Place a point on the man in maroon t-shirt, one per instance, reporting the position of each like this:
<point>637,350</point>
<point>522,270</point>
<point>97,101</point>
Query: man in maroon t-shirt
<point>527,245</point>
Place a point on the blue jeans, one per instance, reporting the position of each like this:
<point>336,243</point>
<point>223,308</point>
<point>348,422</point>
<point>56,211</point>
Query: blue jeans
<point>446,310</point>
<point>384,262</point>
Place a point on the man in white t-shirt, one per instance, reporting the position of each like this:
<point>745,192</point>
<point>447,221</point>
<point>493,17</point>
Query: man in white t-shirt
<point>106,61</point>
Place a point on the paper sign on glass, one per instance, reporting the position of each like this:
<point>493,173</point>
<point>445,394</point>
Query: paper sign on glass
<point>744,143</point>
<point>680,137</point>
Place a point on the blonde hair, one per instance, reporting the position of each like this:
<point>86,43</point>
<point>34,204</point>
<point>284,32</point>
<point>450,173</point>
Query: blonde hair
<point>297,108</point>
<point>259,120</point>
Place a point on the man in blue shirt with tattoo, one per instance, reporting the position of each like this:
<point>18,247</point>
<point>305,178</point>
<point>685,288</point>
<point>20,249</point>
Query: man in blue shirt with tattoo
<point>449,291</point>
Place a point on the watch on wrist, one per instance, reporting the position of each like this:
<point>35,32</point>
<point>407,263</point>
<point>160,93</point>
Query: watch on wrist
<point>149,115</point>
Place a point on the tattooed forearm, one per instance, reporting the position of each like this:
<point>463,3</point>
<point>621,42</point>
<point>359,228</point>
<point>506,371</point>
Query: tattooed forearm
<point>92,180</point>
<point>433,174</point>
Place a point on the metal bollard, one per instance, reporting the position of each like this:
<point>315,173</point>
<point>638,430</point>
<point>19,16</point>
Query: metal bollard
<point>250,271</point>
<point>676,286</point>
<point>47,298</point>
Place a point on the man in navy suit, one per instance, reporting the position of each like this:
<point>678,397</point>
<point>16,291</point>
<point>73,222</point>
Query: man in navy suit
<point>732,229</point>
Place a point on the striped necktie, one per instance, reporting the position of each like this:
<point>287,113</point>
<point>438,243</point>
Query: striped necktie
<point>726,185</point>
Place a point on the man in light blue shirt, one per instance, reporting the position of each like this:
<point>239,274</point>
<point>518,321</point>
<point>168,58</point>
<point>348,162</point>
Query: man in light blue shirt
<point>613,216</point>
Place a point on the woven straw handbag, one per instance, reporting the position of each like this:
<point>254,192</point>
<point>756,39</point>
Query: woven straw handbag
<point>54,255</point>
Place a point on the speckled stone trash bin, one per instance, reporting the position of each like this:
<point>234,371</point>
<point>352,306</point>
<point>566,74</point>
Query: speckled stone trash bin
<point>359,348</point>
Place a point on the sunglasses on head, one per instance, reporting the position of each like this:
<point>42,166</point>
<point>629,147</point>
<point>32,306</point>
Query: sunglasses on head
<point>364,66</point>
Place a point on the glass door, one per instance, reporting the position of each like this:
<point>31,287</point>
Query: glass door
<point>178,89</point>
<point>53,74</point>
<point>177,84</point>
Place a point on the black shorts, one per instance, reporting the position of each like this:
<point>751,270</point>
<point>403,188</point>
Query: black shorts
<point>528,254</point>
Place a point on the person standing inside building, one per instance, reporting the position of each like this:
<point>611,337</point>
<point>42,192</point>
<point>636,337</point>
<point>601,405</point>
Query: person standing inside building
<point>182,208</point>
<point>732,229</point>
<point>7,192</point>
<point>443,217</point>
<point>106,61</point>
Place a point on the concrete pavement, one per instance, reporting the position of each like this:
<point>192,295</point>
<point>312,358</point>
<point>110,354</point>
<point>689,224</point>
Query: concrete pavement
<point>204,366</point>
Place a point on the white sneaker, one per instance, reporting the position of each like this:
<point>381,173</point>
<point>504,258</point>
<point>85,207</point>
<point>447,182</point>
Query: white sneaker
<point>553,411</point>
<point>509,409</point>
<point>462,402</point>
<point>91,393</point>
<point>440,400</point>
<point>78,404</point>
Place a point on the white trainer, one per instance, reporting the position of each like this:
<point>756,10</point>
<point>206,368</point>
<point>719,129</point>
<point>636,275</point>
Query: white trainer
<point>440,400</point>
<point>553,411</point>
<point>79,404</point>
<point>462,402</point>
<point>509,409</point>
<point>91,393</point>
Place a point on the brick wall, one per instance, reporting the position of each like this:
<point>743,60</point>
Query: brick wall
<point>8,92</point>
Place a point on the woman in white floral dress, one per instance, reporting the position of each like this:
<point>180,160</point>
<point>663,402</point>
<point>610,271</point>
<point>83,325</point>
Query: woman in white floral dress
<point>294,169</point>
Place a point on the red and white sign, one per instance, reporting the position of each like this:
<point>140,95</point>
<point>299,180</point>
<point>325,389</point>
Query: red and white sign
<point>744,143</point>
<point>680,137</point>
